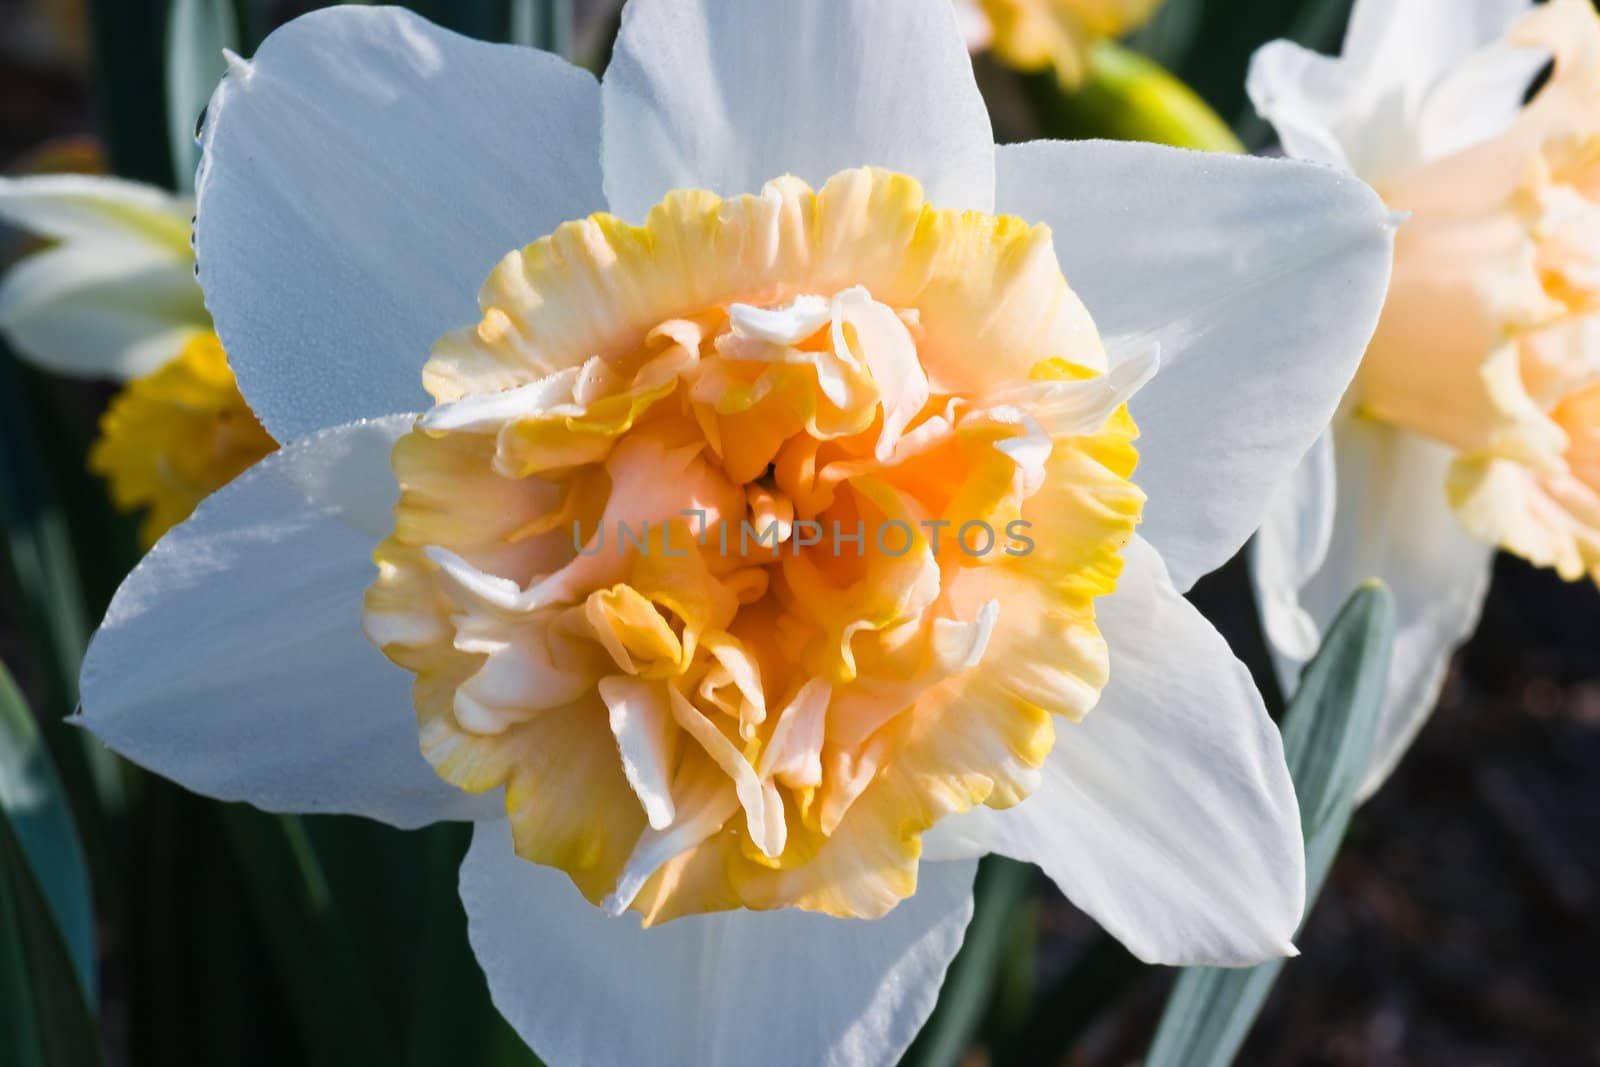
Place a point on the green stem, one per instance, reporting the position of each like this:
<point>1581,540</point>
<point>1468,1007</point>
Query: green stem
<point>44,573</point>
<point>1128,97</point>
<point>1001,889</point>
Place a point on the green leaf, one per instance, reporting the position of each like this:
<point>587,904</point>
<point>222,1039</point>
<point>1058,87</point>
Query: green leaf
<point>447,998</point>
<point>1169,36</point>
<point>545,24</point>
<point>193,939</point>
<point>44,1019</point>
<point>1001,888</point>
<point>34,803</point>
<point>1327,739</point>
<point>1208,43</point>
<point>1100,973</point>
<point>38,543</point>
<point>472,18</point>
<point>127,40</point>
<point>197,32</point>
<point>330,992</point>
<point>49,595</point>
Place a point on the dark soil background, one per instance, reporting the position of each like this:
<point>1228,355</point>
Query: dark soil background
<point>1461,922</point>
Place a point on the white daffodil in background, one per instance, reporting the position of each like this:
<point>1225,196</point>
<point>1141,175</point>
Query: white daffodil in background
<point>779,277</point>
<point>1474,421</point>
<point>1039,34</point>
<point>113,295</point>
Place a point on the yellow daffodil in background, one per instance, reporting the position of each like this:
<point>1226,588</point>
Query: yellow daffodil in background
<point>1036,35</point>
<point>175,436</point>
<point>769,278</point>
<point>113,295</point>
<point>1475,419</point>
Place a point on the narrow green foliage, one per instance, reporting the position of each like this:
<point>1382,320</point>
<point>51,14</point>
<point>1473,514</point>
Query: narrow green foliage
<point>1327,738</point>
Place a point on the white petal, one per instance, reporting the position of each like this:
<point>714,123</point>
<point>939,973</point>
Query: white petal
<point>885,345</point>
<point>1477,99</point>
<point>639,719</point>
<point>1418,40</point>
<point>1289,548</point>
<point>976,29</point>
<point>1408,87</point>
<point>763,809</point>
<point>482,412</point>
<point>347,472</point>
<point>101,311</point>
<point>1168,813</point>
<point>83,207</point>
<point>959,645</point>
<point>1307,99</point>
<point>1393,522</point>
<point>786,325</point>
<point>794,753</point>
<point>525,670</point>
<point>727,94</point>
<point>1075,408</point>
<point>232,659</point>
<point>116,297</point>
<point>362,175</point>
<point>1260,280</point>
<point>704,804</point>
<point>721,990</point>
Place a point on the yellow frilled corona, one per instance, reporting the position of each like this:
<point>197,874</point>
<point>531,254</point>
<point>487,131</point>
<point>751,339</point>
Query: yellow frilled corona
<point>699,720</point>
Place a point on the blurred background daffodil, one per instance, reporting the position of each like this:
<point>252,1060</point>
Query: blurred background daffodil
<point>108,291</point>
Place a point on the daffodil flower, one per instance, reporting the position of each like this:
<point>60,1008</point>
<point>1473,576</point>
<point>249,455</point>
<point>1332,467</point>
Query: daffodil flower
<point>1474,421</point>
<point>1036,35</point>
<point>113,296</point>
<point>770,335</point>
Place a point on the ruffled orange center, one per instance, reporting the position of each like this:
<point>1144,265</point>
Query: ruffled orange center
<point>743,546</point>
<point>1490,340</point>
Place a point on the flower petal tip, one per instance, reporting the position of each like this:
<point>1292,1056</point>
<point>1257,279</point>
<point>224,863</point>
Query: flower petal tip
<point>1135,372</point>
<point>238,66</point>
<point>614,905</point>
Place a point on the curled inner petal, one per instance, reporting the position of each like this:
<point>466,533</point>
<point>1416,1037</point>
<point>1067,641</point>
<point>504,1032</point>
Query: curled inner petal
<point>745,545</point>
